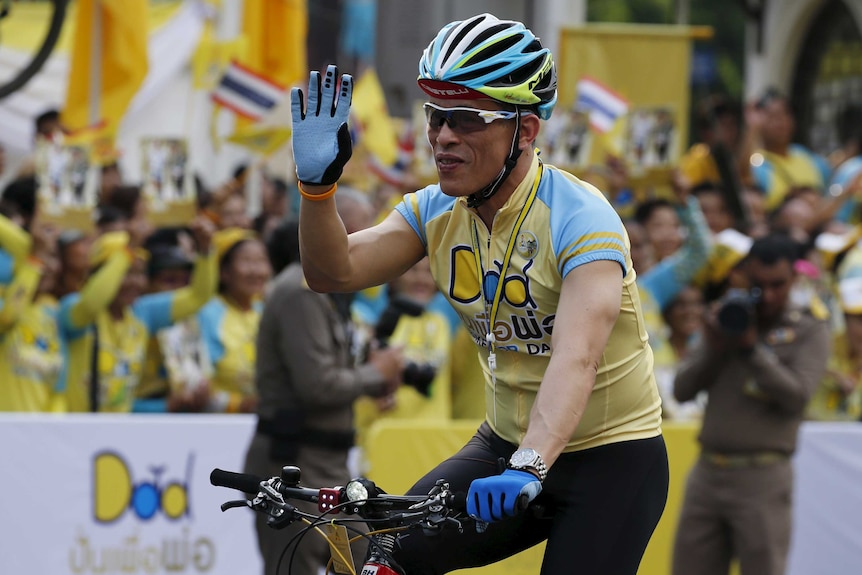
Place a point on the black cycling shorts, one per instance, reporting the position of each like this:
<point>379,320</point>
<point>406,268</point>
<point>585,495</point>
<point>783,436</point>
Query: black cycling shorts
<point>597,510</point>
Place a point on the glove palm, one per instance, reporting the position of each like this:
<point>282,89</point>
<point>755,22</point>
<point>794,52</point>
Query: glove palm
<point>321,138</point>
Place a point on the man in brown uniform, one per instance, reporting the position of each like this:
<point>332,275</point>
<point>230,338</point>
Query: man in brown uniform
<point>307,381</point>
<point>760,371</point>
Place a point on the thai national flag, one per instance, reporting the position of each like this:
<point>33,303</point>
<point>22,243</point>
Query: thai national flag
<point>603,104</point>
<point>247,93</point>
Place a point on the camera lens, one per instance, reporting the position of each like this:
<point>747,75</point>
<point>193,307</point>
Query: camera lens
<point>734,317</point>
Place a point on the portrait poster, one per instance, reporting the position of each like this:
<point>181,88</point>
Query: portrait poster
<point>568,139</point>
<point>167,181</point>
<point>651,137</point>
<point>67,182</point>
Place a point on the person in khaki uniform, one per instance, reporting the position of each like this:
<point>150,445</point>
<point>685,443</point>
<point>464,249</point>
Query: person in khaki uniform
<point>759,378</point>
<point>307,380</point>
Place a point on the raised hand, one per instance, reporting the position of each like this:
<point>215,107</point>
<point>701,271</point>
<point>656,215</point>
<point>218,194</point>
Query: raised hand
<point>321,139</point>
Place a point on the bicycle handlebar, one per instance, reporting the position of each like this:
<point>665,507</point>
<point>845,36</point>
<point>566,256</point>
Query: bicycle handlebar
<point>360,496</point>
<point>244,482</point>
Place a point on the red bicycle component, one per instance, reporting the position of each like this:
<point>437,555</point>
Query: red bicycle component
<point>328,499</point>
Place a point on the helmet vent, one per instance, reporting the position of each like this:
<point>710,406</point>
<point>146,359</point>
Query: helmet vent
<point>493,50</point>
<point>464,31</point>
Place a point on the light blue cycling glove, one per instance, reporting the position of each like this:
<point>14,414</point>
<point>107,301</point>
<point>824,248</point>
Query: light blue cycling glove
<point>321,139</point>
<point>505,495</point>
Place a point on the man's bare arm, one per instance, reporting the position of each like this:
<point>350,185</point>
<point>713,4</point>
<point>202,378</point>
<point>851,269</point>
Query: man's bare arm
<point>588,309</point>
<point>335,262</point>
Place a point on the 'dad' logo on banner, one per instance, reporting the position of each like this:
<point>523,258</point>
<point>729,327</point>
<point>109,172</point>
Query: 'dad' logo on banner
<point>141,519</point>
<point>123,495</point>
<point>115,490</point>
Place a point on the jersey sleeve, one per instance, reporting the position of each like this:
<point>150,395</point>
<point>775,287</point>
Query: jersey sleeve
<point>14,240</point>
<point>19,294</point>
<point>210,319</point>
<point>666,279</point>
<point>98,293</point>
<point>420,207</point>
<point>586,230</point>
<point>204,282</point>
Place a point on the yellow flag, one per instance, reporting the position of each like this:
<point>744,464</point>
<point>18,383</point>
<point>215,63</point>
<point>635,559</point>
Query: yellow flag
<point>263,140</point>
<point>212,57</point>
<point>113,35</point>
<point>369,109</point>
<point>275,33</point>
<point>623,57</point>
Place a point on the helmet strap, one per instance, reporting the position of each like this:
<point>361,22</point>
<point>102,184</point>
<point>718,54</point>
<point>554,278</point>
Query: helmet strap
<point>476,199</point>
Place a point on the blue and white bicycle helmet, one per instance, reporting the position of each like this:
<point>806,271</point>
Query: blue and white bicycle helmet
<point>484,57</point>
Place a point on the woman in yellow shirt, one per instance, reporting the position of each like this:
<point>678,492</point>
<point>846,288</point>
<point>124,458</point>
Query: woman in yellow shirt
<point>230,320</point>
<point>108,324</point>
<point>30,354</point>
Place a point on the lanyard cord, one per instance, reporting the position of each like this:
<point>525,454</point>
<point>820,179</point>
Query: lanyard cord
<point>491,314</point>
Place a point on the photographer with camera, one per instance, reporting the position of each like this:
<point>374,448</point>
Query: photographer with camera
<point>425,338</point>
<point>760,361</point>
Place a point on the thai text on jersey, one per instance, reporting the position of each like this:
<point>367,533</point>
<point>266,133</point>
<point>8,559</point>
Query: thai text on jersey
<point>498,59</point>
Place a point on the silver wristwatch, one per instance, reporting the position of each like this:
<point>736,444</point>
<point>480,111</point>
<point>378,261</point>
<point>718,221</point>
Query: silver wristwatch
<point>529,459</point>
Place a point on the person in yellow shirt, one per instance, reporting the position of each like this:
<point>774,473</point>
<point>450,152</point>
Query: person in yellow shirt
<point>839,396</point>
<point>537,265</point>
<point>174,377</point>
<point>779,166</point>
<point>30,355</point>
<point>425,341</point>
<point>229,321</point>
<point>107,325</point>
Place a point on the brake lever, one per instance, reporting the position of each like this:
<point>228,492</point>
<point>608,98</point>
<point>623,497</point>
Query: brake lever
<point>233,504</point>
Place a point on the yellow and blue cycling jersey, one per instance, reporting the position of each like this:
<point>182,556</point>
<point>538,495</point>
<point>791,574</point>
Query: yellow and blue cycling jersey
<point>568,224</point>
<point>230,334</point>
<point>31,359</point>
<point>122,341</point>
<point>777,175</point>
<point>844,176</point>
<point>15,244</point>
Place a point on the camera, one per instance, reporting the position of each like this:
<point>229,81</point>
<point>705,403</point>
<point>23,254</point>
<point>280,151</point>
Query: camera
<point>736,310</point>
<point>416,375</point>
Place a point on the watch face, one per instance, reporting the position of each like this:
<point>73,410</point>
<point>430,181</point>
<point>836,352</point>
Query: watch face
<point>523,457</point>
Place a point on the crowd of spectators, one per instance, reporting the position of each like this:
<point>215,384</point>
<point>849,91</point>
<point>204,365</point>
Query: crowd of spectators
<point>130,317</point>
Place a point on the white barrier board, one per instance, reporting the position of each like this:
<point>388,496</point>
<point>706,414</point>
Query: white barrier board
<point>82,494</point>
<point>122,494</point>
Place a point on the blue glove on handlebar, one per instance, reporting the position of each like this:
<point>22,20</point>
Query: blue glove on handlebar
<point>493,498</point>
<point>321,139</point>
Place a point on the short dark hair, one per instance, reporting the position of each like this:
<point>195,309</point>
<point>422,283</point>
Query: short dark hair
<point>646,209</point>
<point>770,95</point>
<point>707,187</point>
<point>167,257</point>
<point>283,244</point>
<point>773,248</point>
<point>21,195</point>
<point>124,199</point>
<point>714,107</point>
<point>849,124</point>
<point>109,215</point>
<point>51,115</point>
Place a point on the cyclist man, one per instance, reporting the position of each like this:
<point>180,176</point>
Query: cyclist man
<point>572,409</point>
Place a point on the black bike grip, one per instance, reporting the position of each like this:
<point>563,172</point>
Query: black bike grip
<point>242,481</point>
<point>458,501</point>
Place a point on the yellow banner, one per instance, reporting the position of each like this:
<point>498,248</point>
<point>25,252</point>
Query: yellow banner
<point>377,131</point>
<point>263,140</point>
<point>276,31</point>
<point>101,93</point>
<point>648,67</point>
